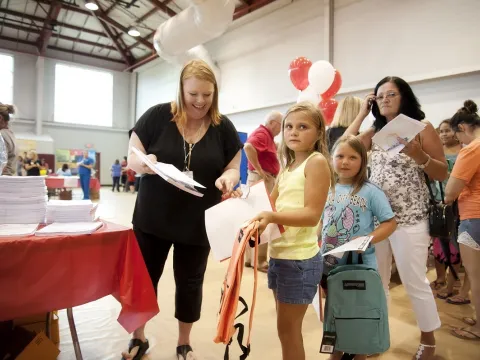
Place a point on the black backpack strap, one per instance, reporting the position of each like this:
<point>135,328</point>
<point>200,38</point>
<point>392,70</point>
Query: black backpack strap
<point>350,258</point>
<point>241,331</point>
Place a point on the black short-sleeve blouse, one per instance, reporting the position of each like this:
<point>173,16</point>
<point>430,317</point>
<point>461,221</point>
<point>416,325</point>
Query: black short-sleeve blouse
<point>164,210</point>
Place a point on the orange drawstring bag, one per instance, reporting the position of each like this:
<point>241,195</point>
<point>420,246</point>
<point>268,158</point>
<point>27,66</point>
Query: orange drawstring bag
<point>247,237</point>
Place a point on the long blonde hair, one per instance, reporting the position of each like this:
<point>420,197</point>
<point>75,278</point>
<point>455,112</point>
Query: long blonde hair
<point>287,156</point>
<point>200,70</point>
<point>347,111</point>
<point>356,144</point>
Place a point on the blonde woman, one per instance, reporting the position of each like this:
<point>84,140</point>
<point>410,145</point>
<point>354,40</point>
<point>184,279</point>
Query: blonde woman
<point>347,111</point>
<point>32,164</point>
<point>191,134</point>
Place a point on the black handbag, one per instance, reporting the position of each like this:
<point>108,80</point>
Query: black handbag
<point>442,218</point>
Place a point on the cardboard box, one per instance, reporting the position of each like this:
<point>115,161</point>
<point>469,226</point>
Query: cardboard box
<point>38,323</point>
<point>40,348</point>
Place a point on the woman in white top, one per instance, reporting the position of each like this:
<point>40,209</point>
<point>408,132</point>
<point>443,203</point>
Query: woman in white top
<point>402,179</point>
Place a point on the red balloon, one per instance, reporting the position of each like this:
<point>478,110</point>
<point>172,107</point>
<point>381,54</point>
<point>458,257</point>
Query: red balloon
<point>335,87</point>
<point>328,107</point>
<point>298,71</point>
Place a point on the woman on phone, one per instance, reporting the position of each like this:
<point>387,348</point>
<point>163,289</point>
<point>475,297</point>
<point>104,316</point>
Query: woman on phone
<point>401,178</point>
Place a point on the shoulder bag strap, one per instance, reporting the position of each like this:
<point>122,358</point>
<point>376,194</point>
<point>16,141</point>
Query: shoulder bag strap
<point>427,180</point>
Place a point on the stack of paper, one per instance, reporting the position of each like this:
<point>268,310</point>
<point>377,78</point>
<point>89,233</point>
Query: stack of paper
<point>402,127</point>
<point>70,211</point>
<point>171,174</point>
<point>23,199</point>
<point>7,230</point>
<point>77,228</point>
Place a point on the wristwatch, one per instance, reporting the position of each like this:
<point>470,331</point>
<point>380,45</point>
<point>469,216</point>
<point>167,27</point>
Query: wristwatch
<point>423,166</point>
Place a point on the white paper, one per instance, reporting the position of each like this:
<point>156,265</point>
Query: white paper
<point>7,230</point>
<point>402,126</point>
<point>79,228</point>
<point>171,174</point>
<point>359,244</point>
<point>223,221</point>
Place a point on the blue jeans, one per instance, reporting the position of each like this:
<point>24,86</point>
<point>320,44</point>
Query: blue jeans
<point>85,184</point>
<point>295,281</point>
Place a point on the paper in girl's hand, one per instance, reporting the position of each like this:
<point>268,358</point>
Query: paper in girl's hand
<point>359,244</point>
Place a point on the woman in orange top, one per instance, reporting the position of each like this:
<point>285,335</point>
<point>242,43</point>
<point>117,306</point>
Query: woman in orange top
<point>464,184</point>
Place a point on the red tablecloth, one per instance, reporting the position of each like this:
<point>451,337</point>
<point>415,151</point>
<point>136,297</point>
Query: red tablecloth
<point>53,182</point>
<point>40,274</point>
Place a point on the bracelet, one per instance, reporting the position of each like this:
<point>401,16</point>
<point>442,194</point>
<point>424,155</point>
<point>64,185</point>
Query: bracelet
<point>423,166</point>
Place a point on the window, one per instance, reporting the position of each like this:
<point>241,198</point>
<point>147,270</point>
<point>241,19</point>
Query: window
<point>83,96</point>
<point>6,76</point>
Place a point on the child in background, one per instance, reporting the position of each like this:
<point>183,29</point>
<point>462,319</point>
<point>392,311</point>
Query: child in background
<point>116,174</point>
<point>351,208</point>
<point>295,267</point>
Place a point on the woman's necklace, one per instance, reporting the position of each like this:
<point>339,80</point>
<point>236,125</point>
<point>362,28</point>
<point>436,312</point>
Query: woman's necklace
<point>188,156</point>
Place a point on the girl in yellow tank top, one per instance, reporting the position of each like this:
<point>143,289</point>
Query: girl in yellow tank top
<point>295,267</point>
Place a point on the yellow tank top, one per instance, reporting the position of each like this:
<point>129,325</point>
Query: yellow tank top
<point>295,243</point>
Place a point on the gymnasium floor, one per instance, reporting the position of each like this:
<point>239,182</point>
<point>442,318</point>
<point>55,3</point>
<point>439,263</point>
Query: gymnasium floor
<point>102,338</point>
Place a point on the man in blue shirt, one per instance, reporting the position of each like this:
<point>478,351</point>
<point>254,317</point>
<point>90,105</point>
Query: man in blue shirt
<point>85,173</point>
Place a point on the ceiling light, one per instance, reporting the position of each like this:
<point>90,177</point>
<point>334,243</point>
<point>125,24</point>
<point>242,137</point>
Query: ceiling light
<point>90,5</point>
<point>133,32</point>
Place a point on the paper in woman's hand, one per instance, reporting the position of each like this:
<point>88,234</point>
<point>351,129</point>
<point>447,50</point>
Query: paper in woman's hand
<point>170,174</point>
<point>359,244</point>
<point>401,127</point>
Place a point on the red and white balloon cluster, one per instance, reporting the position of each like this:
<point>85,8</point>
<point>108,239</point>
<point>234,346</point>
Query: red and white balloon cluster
<point>318,82</point>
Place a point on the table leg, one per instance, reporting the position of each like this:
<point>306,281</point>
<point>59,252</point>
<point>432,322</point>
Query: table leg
<point>73,332</point>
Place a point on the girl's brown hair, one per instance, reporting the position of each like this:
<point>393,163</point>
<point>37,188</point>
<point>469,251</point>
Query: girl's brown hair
<point>362,176</point>
<point>287,156</point>
<point>200,70</point>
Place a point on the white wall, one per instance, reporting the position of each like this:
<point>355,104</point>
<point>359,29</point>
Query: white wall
<point>433,44</point>
<point>110,142</point>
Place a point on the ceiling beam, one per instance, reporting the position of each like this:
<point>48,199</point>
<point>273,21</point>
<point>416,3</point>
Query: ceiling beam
<point>122,28</point>
<point>41,20</point>
<point>162,6</point>
<point>124,52</point>
<point>46,32</point>
<point>21,41</point>
<point>139,43</point>
<point>74,52</point>
<point>246,9</point>
<point>59,36</point>
<point>66,7</point>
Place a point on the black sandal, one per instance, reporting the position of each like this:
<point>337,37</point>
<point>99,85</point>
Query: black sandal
<point>142,348</point>
<point>182,351</point>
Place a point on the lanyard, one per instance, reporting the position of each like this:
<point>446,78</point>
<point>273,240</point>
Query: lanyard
<point>188,155</point>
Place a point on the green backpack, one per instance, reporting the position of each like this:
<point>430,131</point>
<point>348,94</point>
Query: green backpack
<point>356,309</point>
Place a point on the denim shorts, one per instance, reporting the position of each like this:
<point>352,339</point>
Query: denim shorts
<point>469,233</point>
<point>295,281</point>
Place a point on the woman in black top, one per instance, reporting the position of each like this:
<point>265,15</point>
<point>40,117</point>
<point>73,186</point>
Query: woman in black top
<point>32,164</point>
<point>192,135</point>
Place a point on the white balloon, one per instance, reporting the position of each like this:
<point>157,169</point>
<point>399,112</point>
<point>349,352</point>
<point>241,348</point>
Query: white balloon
<point>309,94</point>
<point>321,76</point>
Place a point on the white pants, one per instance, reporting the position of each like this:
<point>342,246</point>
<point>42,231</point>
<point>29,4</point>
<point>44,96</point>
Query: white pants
<point>409,245</point>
